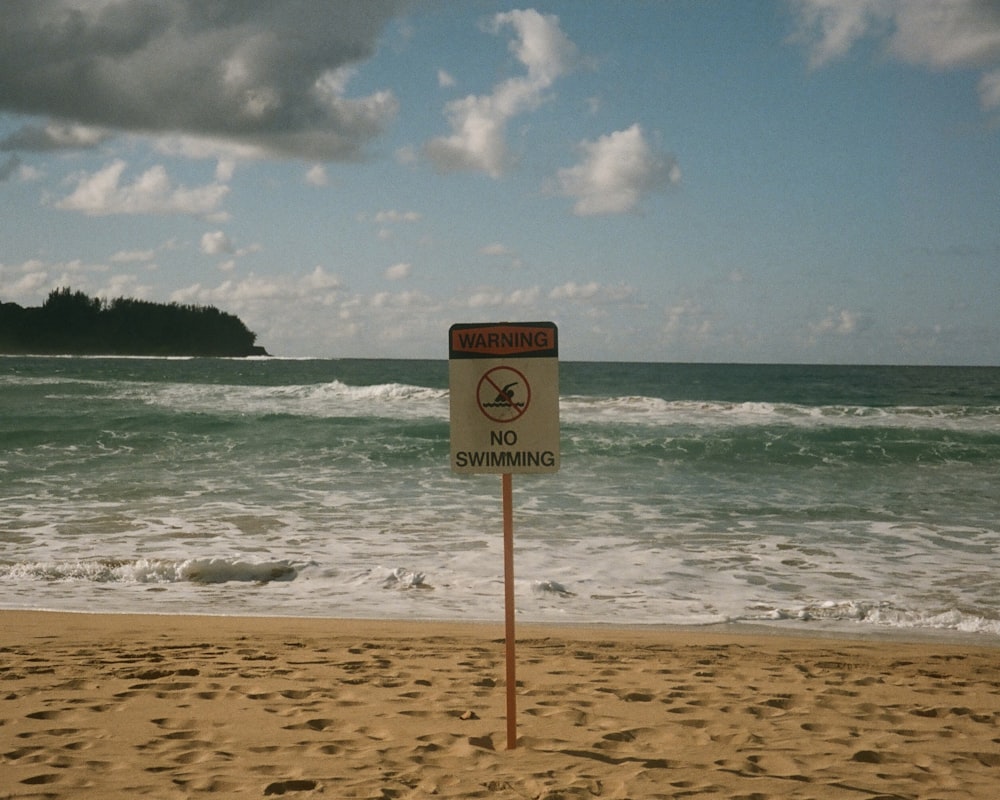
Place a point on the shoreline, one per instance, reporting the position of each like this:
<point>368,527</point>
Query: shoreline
<point>98,705</point>
<point>819,631</point>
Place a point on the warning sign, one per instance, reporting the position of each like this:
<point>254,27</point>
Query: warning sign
<point>504,387</point>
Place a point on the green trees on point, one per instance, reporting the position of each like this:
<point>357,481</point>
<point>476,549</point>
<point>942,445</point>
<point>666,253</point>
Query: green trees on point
<point>72,323</point>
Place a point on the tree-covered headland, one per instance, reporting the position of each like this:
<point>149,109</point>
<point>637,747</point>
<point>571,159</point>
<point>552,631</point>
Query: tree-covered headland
<point>71,323</point>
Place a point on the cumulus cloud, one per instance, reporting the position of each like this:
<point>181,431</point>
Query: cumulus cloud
<point>317,286</point>
<point>591,292</point>
<point>392,215</point>
<point>316,175</point>
<point>389,217</point>
<point>132,256</point>
<point>498,250</point>
<point>407,155</point>
<point>292,313</point>
<point>227,152</point>
<point>122,285</point>
<point>103,193</point>
<point>616,172</point>
<point>492,297</point>
<point>841,322</point>
<point>932,33</point>
<point>524,298</point>
<point>479,122</point>
<point>215,243</point>
<point>268,75</point>
<point>218,243</point>
<point>494,249</point>
<point>576,291</point>
<point>686,319</point>
<point>830,29</point>
<point>989,90</point>
<point>408,299</point>
<point>486,297</point>
<point>398,272</point>
<point>30,281</point>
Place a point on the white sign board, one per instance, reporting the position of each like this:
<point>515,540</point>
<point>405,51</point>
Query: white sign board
<point>504,387</point>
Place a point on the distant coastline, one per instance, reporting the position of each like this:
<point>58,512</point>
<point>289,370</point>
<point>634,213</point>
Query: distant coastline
<point>71,323</point>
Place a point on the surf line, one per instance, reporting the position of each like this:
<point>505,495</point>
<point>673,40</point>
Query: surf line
<point>505,458</point>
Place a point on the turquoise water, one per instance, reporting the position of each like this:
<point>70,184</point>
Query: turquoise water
<point>856,498</point>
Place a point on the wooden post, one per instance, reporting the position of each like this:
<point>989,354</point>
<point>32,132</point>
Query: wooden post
<point>508,576</point>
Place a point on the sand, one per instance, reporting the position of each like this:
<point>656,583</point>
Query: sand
<point>99,706</point>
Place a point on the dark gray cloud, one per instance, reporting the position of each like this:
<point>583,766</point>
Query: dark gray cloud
<point>54,137</point>
<point>257,72</point>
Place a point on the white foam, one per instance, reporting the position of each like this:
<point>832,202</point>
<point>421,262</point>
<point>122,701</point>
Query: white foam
<point>640,410</point>
<point>151,570</point>
<point>331,399</point>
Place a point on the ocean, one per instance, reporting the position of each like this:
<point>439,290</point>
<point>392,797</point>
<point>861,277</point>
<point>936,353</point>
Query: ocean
<point>837,499</point>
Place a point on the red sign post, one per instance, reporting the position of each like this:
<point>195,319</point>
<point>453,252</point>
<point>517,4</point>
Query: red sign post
<point>504,410</point>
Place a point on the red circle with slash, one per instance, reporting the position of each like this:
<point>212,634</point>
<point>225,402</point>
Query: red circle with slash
<point>503,394</point>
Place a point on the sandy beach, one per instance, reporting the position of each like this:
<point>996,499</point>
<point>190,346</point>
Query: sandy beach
<point>101,706</point>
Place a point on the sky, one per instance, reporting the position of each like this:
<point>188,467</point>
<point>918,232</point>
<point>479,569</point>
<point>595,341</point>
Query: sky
<point>798,181</point>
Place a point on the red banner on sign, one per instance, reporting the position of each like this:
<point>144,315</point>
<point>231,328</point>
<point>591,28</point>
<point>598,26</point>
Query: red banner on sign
<point>524,339</point>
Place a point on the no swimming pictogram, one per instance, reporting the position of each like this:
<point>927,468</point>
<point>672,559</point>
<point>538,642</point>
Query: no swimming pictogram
<point>503,394</point>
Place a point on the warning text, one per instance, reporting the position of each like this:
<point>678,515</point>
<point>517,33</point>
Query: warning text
<point>502,340</point>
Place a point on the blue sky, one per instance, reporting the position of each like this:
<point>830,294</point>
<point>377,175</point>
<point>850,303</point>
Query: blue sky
<point>741,181</point>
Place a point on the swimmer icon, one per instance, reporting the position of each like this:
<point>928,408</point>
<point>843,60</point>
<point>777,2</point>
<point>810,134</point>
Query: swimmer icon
<point>506,395</point>
<point>503,394</point>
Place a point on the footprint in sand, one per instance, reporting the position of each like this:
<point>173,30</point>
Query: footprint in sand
<point>38,780</point>
<point>46,715</point>
<point>281,787</point>
<point>312,725</point>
